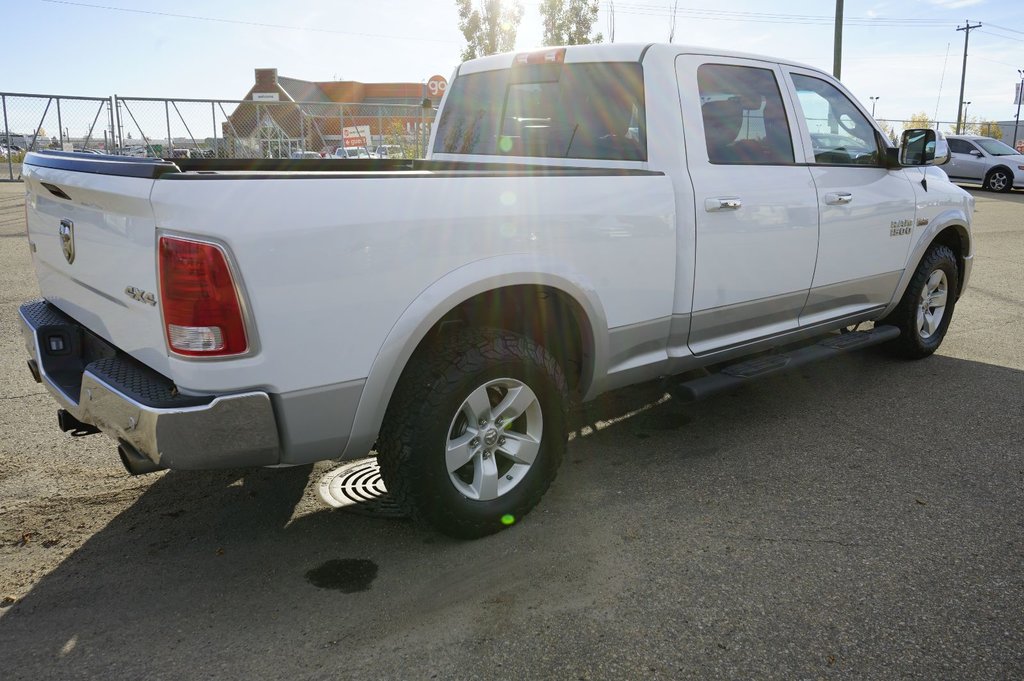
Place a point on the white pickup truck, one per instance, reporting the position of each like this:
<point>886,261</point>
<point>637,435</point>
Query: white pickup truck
<point>589,217</point>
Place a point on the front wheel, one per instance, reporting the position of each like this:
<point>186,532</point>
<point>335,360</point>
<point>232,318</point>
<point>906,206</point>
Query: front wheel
<point>924,312</point>
<point>475,432</point>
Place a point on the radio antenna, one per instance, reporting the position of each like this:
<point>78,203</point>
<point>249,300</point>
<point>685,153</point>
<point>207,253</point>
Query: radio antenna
<point>941,81</point>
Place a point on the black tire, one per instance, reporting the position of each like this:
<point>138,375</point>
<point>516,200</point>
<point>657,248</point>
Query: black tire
<point>915,342</point>
<point>999,180</point>
<point>430,406</point>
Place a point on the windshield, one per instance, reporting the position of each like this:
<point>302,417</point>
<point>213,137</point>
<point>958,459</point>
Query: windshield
<point>587,110</point>
<point>995,147</point>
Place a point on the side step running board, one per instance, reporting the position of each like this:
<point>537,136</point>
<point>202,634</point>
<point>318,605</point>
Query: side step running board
<point>736,375</point>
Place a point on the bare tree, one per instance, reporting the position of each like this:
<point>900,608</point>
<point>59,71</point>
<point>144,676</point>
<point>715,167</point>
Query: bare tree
<point>568,22</point>
<point>489,28</point>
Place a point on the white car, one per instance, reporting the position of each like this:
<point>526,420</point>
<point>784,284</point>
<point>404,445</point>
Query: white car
<point>351,152</point>
<point>996,165</point>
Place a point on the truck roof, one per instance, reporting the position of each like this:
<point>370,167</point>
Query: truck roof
<point>616,52</point>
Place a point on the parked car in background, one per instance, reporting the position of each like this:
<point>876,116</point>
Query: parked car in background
<point>181,153</point>
<point>388,151</point>
<point>351,152</point>
<point>997,166</point>
<point>304,154</point>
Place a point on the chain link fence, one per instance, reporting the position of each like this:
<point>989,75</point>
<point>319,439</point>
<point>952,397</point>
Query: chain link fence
<point>35,122</point>
<point>176,128</point>
<point>895,127</point>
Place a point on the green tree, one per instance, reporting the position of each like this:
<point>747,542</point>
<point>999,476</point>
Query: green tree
<point>978,126</point>
<point>568,22</point>
<point>489,28</point>
<point>890,132</point>
<point>919,120</point>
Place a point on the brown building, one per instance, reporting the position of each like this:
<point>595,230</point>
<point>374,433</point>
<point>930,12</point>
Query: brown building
<point>282,115</point>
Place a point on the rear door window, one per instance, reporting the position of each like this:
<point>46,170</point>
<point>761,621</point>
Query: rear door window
<point>586,111</point>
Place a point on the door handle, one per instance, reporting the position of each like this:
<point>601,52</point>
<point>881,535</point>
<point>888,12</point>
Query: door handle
<point>725,203</point>
<point>838,198</point>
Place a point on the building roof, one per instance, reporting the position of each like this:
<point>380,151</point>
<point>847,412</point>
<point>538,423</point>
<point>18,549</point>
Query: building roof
<point>302,90</point>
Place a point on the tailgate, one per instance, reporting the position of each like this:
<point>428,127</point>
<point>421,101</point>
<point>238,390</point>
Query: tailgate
<point>92,238</point>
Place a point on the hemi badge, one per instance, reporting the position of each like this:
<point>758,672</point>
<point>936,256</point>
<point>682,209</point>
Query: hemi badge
<point>921,222</point>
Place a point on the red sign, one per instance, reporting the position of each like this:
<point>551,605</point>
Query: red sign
<point>436,86</point>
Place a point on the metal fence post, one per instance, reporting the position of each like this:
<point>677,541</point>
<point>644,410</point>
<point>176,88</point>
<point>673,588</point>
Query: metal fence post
<point>119,130</point>
<point>213,118</point>
<point>60,126</point>
<point>110,127</point>
<point>167,118</point>
<point>7,142</point>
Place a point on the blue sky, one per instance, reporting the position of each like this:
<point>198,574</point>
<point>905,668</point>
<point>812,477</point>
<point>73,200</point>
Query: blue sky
<point>906,52</point>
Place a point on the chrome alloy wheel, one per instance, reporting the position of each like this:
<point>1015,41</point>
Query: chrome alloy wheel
<point>494,439</point>
<point>998,181</point>
<point>932,304</point>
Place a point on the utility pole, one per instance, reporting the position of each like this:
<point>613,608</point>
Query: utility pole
<point>1020,96</point>
<point>837,55</point>
<point>966,28</point>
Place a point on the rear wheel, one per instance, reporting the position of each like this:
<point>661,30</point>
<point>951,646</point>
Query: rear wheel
<point>475,432</point>
<point>999,180</point>
<point>924,312</point>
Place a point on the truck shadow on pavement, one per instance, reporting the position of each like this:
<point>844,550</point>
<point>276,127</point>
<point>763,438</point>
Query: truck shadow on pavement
<point>208,574</point>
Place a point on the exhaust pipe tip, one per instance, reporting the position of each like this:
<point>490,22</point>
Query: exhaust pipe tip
<point>135,462</point>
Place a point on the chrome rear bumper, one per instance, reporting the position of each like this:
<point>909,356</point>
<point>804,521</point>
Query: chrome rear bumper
<point>103,387</point>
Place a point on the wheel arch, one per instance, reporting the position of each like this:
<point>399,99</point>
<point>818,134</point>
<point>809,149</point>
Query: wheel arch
<point>1002,167</point>
<point>482,292</point>
<point>949,229</point>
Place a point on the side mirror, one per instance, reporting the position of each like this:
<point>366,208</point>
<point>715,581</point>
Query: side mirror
<point>923,147</point>
<point>975,152</point>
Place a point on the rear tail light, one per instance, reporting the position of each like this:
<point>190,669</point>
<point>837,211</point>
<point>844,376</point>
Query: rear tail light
<point>202,312</point>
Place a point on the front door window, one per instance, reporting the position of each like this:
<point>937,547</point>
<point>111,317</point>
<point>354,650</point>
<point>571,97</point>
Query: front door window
<point>840,133</point>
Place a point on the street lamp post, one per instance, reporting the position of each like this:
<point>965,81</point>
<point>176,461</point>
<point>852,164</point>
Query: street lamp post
<point>874,100</point>
<point>1020,96</point>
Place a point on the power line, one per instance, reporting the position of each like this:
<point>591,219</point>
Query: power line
<point>258,24</point>
<point>995,61</point>
<point>1004,28</point>
<point>1004,37</point>
<point>770,17</point>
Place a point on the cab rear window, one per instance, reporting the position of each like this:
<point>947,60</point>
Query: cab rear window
<point>586,111</point>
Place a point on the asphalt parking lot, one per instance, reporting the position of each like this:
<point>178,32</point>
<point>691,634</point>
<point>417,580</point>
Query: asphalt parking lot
<point>862,518</point>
